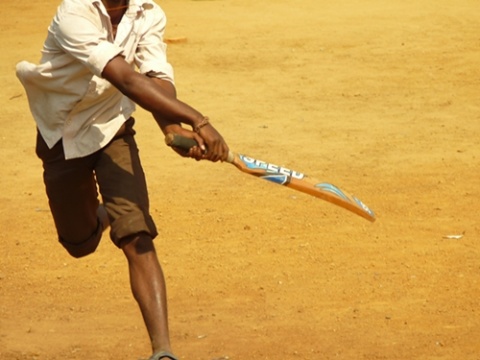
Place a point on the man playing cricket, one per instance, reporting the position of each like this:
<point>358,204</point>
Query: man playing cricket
<point>82,97</point>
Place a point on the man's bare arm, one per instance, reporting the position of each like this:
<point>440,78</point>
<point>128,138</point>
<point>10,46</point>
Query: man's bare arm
<point>145,91</point>
<point>159,97</point>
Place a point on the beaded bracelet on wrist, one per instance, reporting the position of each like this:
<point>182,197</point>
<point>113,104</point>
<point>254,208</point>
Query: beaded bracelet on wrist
<point>205,121</point>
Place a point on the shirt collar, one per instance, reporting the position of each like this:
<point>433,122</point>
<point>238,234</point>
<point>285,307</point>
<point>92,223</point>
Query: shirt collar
<point>134,6</point>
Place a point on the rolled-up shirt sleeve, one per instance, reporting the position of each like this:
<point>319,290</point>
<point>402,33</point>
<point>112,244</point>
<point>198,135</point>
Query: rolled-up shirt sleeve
<point>101,55</point>
<point>85,37</point>
<point>151,54</point>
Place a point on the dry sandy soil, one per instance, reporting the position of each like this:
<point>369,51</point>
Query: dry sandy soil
<point>378,97</point>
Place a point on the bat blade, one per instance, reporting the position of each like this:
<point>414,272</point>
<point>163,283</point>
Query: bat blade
<point>288,178</point>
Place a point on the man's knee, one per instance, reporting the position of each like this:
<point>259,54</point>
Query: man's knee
<point>132,225</point>
<point>84,248</point>
<point>140,243</point>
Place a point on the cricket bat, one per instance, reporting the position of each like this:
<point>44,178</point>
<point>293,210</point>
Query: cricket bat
<point>286,177</point>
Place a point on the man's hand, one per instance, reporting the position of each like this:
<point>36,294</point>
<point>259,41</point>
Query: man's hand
<point>196,152</point>
<point>211,145</point>
<point>216,147</point>
<point>159,97</point>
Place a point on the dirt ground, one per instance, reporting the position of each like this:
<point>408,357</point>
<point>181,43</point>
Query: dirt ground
<point>378,97</point>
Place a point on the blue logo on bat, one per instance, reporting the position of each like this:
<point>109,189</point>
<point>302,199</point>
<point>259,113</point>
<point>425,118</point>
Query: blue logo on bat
<point>363,206</point>
<point>332,189</point>
<point>255,164</point>
<point>336,191</point>
<point>277,179</point>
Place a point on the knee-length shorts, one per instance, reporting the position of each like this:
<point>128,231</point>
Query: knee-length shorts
<point>74,186</point>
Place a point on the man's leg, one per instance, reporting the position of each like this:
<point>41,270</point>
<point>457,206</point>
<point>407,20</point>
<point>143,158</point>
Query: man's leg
<point>148,287</point>
<point>124,192</point>
<point>72,194</point>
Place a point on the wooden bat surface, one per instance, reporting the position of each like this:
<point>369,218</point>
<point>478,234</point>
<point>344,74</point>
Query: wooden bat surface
<point>286,177</point>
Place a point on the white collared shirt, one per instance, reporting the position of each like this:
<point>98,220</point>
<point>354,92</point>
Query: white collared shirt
<point>68,98</point>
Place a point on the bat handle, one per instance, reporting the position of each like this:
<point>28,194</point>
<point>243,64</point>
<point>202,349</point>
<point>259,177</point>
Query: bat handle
<point>185,143</point>
<point>179,141</point>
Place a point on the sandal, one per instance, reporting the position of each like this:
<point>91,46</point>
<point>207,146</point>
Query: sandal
<point>163,355</point>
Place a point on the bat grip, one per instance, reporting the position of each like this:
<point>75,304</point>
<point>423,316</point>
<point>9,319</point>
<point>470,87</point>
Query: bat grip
<point>180,142</point>
<point>184,143</point>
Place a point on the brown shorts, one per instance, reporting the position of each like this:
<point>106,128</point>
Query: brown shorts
<point>73,185</point>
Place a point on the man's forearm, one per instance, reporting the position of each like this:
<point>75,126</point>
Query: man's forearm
<point>159,97</point>
<point>154,95</point>
<point>169,88</point>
